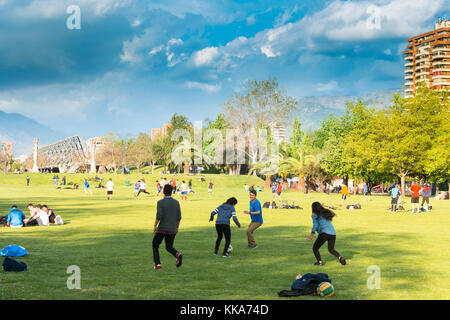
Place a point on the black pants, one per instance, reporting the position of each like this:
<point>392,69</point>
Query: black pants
<point>157,239</point>
<point>321,239</point>
<point>425,199</point>
<point>223,229</point>
<point>142,190</point>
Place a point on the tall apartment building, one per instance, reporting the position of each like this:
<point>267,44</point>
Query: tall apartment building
<point>278,132</point>
<point>428,59</point>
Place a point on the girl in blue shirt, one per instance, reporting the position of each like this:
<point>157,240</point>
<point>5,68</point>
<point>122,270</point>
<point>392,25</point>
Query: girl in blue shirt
<point>322,225</point>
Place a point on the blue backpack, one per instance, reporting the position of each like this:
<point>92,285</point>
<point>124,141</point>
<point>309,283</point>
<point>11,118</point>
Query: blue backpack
<point>13,250</point>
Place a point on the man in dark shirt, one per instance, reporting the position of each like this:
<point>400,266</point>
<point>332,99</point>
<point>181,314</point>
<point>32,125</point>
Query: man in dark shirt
<point>168,217</point>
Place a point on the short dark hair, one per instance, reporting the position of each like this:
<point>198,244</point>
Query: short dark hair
<point>44,206</point>
<point>233,201</point>
<point>253,191</point>
<point>168,190</point>
<point>14,206</point>
<point>30,205</point>
<point>38,206</point>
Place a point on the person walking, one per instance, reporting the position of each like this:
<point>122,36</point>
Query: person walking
<point>426,194</point>
<point>183,190</point>
<point>167,223</point>
<point>210,187</point>
<point>225,212</point>
<point>109,188</point>
<point>255,213</point>
<point>345,193</point>
<point>28,181</point>
<point>322,225</point>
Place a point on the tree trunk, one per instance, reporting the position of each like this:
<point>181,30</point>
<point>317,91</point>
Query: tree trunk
<point>403,181</point>
<point>268,181</point>
<point>355,186</point>
<point>301,183</point>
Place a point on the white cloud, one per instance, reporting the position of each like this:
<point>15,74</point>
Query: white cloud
<point>205,56</point>
<point>267,50</point>
<point>203,86</point>
<point>327,87</point>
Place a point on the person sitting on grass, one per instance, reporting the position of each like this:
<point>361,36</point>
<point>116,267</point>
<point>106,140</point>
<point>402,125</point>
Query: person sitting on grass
<point>50,214</point>
<point>224,212</point>
<point>15,218</point>
<point>40,218</point>
<point>322,225</point>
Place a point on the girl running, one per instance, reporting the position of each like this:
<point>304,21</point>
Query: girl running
<point>224,213</point>
<point>322,225</point>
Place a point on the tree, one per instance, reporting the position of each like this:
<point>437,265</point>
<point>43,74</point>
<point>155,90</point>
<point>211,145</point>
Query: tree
<point>262,104</point>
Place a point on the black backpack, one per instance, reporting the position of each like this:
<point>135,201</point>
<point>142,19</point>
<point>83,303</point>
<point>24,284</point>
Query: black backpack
<point>13,265</point>
<point>266,204</point>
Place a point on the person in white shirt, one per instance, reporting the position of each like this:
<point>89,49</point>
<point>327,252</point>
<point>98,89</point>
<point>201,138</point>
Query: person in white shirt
<point>142,188</point>
<point>41,217</point>
<point>184,190</point>
<point>109,188</point>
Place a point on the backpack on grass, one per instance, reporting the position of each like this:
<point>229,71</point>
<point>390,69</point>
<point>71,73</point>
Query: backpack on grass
<point>13,265</point>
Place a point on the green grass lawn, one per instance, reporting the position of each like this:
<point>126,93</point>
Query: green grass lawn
<point>110,241</point>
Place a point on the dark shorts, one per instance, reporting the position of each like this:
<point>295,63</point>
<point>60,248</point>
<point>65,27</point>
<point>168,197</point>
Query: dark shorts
<point>414,199</point>
<point>344,196</point>
<point>394,200</point>
<point>109,192</point>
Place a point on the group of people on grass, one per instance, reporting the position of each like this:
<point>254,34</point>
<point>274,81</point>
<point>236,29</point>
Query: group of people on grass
<point>168,218</point>
<point>40,215</point>
<point>416,191</point>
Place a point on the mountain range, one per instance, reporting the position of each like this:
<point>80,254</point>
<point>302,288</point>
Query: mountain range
<point>22,130</point>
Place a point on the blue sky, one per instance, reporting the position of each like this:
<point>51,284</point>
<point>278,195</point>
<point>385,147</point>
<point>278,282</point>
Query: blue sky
<point>134,63</point>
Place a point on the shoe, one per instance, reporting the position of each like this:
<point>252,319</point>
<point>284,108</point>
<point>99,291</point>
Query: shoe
<point>342,261</point>
<point>179,260</point>
<point>215,252</point>
<point>253,247</point>
<point>225,255</point>
<point>319,263</point>
<point>157,267</point>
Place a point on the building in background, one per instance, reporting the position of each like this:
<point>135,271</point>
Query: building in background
<point>96,142</point>
<point>154,132</point>
<point>7,147</point>
<point>427,59</point>
<point>278,132</point>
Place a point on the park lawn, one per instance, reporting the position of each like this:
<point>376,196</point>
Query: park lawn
<point>110,241</point>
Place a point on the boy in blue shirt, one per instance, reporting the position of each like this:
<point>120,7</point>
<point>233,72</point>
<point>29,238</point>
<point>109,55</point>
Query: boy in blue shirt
<point>256,217</point>
<point>395,193</point>
<point>15,218</point>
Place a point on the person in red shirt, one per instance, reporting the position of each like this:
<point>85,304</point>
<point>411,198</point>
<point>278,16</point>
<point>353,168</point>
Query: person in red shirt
<point>415,194</point>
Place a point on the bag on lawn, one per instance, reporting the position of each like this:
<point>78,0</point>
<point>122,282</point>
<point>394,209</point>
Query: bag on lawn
<point>13,250</point>
<point>13,265</point>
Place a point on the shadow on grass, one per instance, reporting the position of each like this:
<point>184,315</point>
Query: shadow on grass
<point>117,264</point>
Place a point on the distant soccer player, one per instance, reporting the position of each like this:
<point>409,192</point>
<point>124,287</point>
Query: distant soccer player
<point>28,181</point>
<point>110,188</point>
<point>158,188</point>
<point>210,187</point>
<point>395,194</point>
<point>345,193</point>
<point>279,190</point>
<point>322,225</point>
<point>183,190</point>
<point>415,194</point>
<point>224,212</point>
<point>168,217</point>
<point>87,187</point>
<point>255,213</point>
<point>426,194</point>
<point>142,188</point>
